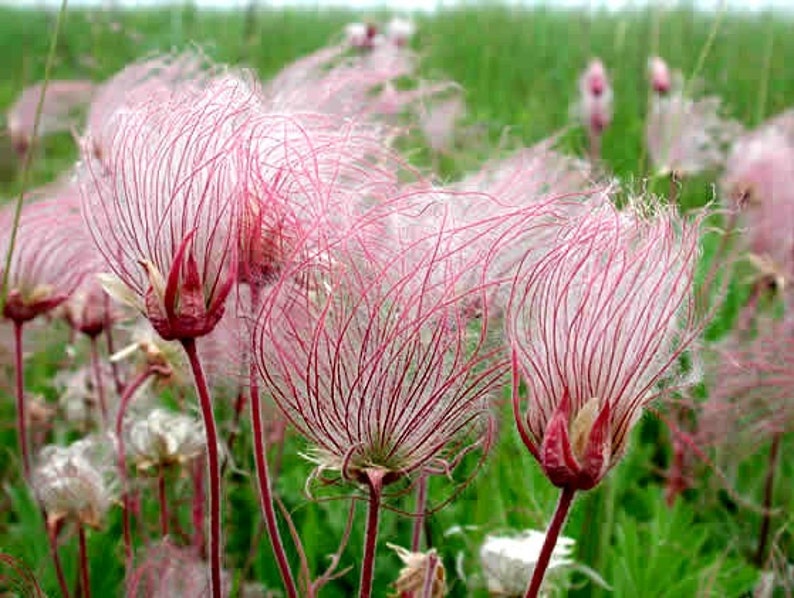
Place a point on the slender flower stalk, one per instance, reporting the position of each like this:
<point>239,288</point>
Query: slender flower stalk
<point>52,538</point>
<point>263,473</point>
<point>549,543</point>
<point>85,577</point>
<point>769,487</point>
<point>213,466</point>
<point>375,483</point>
<point>595,105</point>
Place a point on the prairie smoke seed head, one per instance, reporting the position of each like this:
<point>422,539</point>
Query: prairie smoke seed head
<point>509,561</point>
<point>162,439</point>
<point>76,482</point>
<point>596,324</point>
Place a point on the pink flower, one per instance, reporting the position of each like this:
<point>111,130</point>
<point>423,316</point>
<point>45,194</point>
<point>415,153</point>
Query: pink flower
<point>596,323</point>
<point>162,205</point>
<point>374,357</point>
<point>63,103</point>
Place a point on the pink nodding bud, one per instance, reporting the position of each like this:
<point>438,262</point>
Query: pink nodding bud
<point>595,78</point>
<point>595,103</point>
<point>661,80</point>
<point>596,323</point>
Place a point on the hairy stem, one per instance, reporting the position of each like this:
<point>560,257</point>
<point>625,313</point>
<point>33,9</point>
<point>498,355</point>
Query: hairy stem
<point>126,397</point>
<point>22,433</point>
<point>213,466</point>
<point>96,366</point>
<point>85,580</point>
<point>769,487</point>
<point>552,533</point>
<point>263,475</point>
<point>375,483</point>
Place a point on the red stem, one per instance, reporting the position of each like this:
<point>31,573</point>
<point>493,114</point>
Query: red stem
<point>213,466</point>
<point>769,488</point>
<point>126,397</point>
<point>22,435</point>
<point>161,496</point>
<point>52,536</point>
<point>85,580</point>
<point>263,475</point>
<point>375,482</point>
<point>100,387</point>
<point>552,533</point>
<point>198,507</point>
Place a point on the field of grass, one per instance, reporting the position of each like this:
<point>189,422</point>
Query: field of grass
<point>519,69</point>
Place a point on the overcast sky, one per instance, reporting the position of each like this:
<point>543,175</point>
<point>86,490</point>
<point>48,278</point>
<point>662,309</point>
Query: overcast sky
<point>409,5</point>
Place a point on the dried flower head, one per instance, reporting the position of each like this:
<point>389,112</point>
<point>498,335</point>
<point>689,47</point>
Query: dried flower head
<point>509,561</point>
<point>421,571</point>
<point>162,439</point>
<point>76,483</point>
<point>78,399</point>
<point>596,324</point>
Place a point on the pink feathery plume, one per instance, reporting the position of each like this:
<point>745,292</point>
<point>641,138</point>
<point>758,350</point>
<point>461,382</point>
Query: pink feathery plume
<point>438,120</point>
<point>759,184</point>
<point>595,104</point>
<point>686,136</point>
<point>64,101</point>
<point>145,81</point>
<point>371,357</point>
<point>166,570</point>
<point>750,388</point>
<point>162,206</point>
<point>52,255</point>
<point>596,323</point>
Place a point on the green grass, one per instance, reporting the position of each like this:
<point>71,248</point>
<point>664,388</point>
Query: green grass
<point>519,69</point>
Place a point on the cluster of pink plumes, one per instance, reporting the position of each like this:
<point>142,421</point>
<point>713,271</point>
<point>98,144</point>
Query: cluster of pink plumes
<point>264,245</point>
